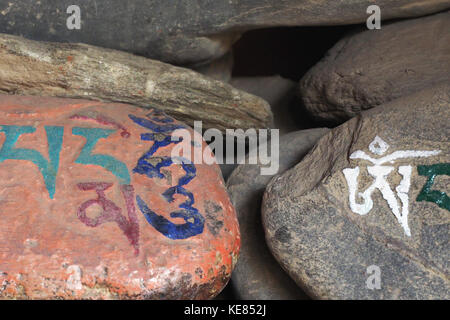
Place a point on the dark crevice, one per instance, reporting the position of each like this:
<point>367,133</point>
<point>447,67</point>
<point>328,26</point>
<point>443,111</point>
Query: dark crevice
<point>286,51</point>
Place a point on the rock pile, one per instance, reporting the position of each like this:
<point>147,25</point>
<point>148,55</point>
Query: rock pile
<point>168,150</point>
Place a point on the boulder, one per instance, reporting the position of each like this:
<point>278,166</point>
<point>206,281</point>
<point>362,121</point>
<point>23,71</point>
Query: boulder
<point>366,214</point>
<point>257,275</point>
<point>95,207</point>
<point>280,94</point>
<point>83,71</point>
<point>185,32</point>
<point>372,67</point>
<point>219,69</point>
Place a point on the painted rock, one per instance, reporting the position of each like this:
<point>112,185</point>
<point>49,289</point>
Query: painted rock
<point>369,68</point>
<point>366,214</point>
<point>95,207</point>
<point>188,31</point>
<point>257,275</point>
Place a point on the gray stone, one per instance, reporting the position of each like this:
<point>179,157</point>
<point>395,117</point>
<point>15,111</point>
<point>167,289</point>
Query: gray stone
<point>327,247</point>
<point>226,170</point>
<point>257,275</point>
<point>186,31</point>
<point>83,71</point>
<point>219,69</point>
<point>373,67</point>
<point>280,93</point>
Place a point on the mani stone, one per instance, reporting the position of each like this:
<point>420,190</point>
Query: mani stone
<point>84,71</point>
<point>94,206</point>
<point>257,275</point>
<point>365,215</point>
<point>186,32</point>
<point>372,67</point>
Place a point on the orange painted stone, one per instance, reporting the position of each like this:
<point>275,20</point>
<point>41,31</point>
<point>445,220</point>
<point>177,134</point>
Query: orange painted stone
<point>93,207</point>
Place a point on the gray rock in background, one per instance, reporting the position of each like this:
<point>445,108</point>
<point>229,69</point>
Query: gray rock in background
<point>326,247</point>
<point>370,68</point>
<point>219,69</point>
<point>186,31</point>
<point>279,92</point>
<point>257,275</point>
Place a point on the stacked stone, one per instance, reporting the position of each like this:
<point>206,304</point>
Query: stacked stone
<point>99,203</point>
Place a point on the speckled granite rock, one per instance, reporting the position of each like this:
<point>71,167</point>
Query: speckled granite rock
<point>372,194</point>
<point>257,275</point>
<point>186,31</point>
<point>370,68</point>
<point>93,206</point>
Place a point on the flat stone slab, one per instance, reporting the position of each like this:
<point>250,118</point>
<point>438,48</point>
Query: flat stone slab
<point>366,214</point>
<point>83,71</point>
<point>186,31</point>
<point>94,207</point>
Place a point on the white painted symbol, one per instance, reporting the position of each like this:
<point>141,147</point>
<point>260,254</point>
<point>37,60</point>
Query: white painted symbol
<point>380,173</point>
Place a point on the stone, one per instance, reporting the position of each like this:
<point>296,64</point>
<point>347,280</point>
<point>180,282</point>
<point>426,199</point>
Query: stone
<point>280,93</point>
<point>366,214</point>
<point>369,68</point>
<point>227,169</point>
<point>219,69</point>
<point>83,71</point>
<point>186,32</point>
<point>257,275</point>
<point>94,207</point>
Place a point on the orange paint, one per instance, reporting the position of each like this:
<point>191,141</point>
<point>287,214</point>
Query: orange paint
<point>47,252</point>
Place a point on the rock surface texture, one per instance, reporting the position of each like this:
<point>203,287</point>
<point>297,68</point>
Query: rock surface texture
<point>93,206</point>
<point>365,215</point>
<point>83,71</point>
<point>219,69</point>
<point>280,94</point>
<point>257,275</point>
<point>188,31</point>
<point>370,68</point>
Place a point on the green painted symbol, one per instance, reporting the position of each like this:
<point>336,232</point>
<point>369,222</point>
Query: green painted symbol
<point>436,196</point>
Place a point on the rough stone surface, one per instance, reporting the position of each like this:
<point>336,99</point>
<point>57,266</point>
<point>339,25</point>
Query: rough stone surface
<point>279,92</point>
<point>327,246</point>
<point>257,275</point>
<point>83,71</point>
<point>188,31</point>
<point>219,69</point>
<point>94,208</point>
<point>370,68</point>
